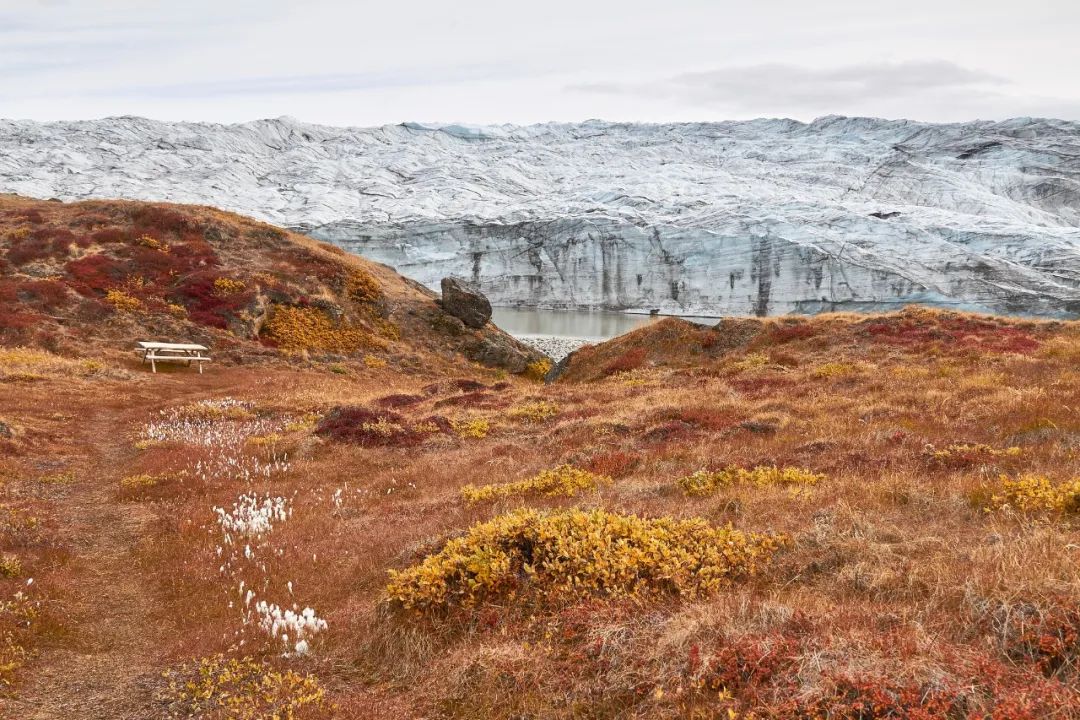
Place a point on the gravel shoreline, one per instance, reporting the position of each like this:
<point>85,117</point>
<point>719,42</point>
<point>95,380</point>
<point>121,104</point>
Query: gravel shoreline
<point>555,346</point>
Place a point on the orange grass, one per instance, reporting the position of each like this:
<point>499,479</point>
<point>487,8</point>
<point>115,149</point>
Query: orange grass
<point>898,593</point>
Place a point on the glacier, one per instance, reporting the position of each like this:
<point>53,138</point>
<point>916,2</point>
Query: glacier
<point>758,217</point>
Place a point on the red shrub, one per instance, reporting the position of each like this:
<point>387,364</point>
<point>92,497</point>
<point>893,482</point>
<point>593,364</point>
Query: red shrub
<point>615,464</point>
<point>196,253</point>
<point>110,236</point>
<point>780,334</point>
<point>1050,641</point>
<point>952,333</point>
<point>368,428</point>
<point>205,304</point>
<point>152,217</point>
<point>30,216</point>
<point>473,399</point>
<point>632,359</point>
<point>708,418</point>
<point>43,294</point>
<point>391,401</point>
<point>41,244</point>
<point>94,274</point>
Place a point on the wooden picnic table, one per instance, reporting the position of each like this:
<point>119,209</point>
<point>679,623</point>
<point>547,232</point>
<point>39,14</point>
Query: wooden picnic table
<point>188,353</point>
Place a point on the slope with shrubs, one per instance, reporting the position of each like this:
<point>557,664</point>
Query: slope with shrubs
<point>98,275</point>
<point>843,516</point>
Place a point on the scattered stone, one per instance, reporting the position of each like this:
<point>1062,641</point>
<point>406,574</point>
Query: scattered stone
<point>465,302</point>
<point>6,431</point>
<point>499,351</point>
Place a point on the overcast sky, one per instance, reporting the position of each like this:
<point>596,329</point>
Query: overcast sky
<point>357,62</point>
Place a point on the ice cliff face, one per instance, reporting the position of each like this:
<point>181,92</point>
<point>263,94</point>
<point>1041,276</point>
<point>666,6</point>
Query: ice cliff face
<point>760,217</point>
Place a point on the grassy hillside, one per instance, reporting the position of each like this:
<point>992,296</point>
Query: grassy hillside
<point>832,517</point>
<point>100,275</point>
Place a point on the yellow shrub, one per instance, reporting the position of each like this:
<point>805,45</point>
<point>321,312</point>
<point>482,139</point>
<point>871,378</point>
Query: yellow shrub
<point>535,412</point>
<point>383,427</point>
<point>374,362</point>
<point>304,423</point>
<point>971,454</point>
<point>228,286</point>
<point>638,377</point>
<point>564,480</point>
<point>308,328</point>
<point>1033,493</point>
<point>138,482</point>
<point>177,311</point>
<point>19,619</point>
<point>477,428</point>
<point>753,361</point>
<point>705,483</point>
<point>836,369</point>
<point>244,689</point>
<point>122,301</point>
<point>17,525</point>
<point>153,243</point>
<point>10,566</point>
<point>538,370</point>
<point>569,554</point>
<point>362,287</point>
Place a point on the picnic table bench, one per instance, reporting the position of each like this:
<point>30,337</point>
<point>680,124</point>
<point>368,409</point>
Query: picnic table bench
<point>157,352</point>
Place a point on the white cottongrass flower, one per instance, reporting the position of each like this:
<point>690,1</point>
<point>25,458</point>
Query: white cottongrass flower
<point>283,624</point>
<point>252,518</point>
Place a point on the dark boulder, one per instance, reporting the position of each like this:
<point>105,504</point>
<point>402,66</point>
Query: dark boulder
<point>465,302</point>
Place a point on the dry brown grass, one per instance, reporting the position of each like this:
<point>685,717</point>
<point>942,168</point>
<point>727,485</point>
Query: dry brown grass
<point>897,588</point>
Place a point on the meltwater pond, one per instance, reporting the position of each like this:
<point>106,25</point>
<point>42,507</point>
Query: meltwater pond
<point>560,332</point>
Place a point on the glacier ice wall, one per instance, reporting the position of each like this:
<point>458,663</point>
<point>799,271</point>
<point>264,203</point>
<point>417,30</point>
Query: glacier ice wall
<point>759,217</point>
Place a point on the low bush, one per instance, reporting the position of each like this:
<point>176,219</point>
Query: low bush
<point>123,302</point>
<point>366,427</point>
<point>538,370</point>
<point>225,286</point>
<point>565,480</point>
<point>963,455</point>
<point>535,412</point>
<point>476,428</point>
<point>704,482</point>
<point>309,328</point>
<point>616,463</point>
<point>217,688</point>
<point>400,400</point>
<point>632,359</point>
<point>566,555</point>
<point>1035,493</point>
<point>362,287</point>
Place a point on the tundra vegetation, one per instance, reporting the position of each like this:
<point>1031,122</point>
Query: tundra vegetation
<point>831,517</point>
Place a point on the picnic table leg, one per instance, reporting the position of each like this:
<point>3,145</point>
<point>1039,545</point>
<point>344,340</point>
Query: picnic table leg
<point>153,365</point>
<point>200,367</point>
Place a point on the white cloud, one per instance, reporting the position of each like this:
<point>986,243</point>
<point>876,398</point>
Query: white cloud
<point>370,62</point>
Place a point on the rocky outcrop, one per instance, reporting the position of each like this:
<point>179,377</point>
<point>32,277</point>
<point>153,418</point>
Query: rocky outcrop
<point>760,217</point>
<point>465,302</point>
